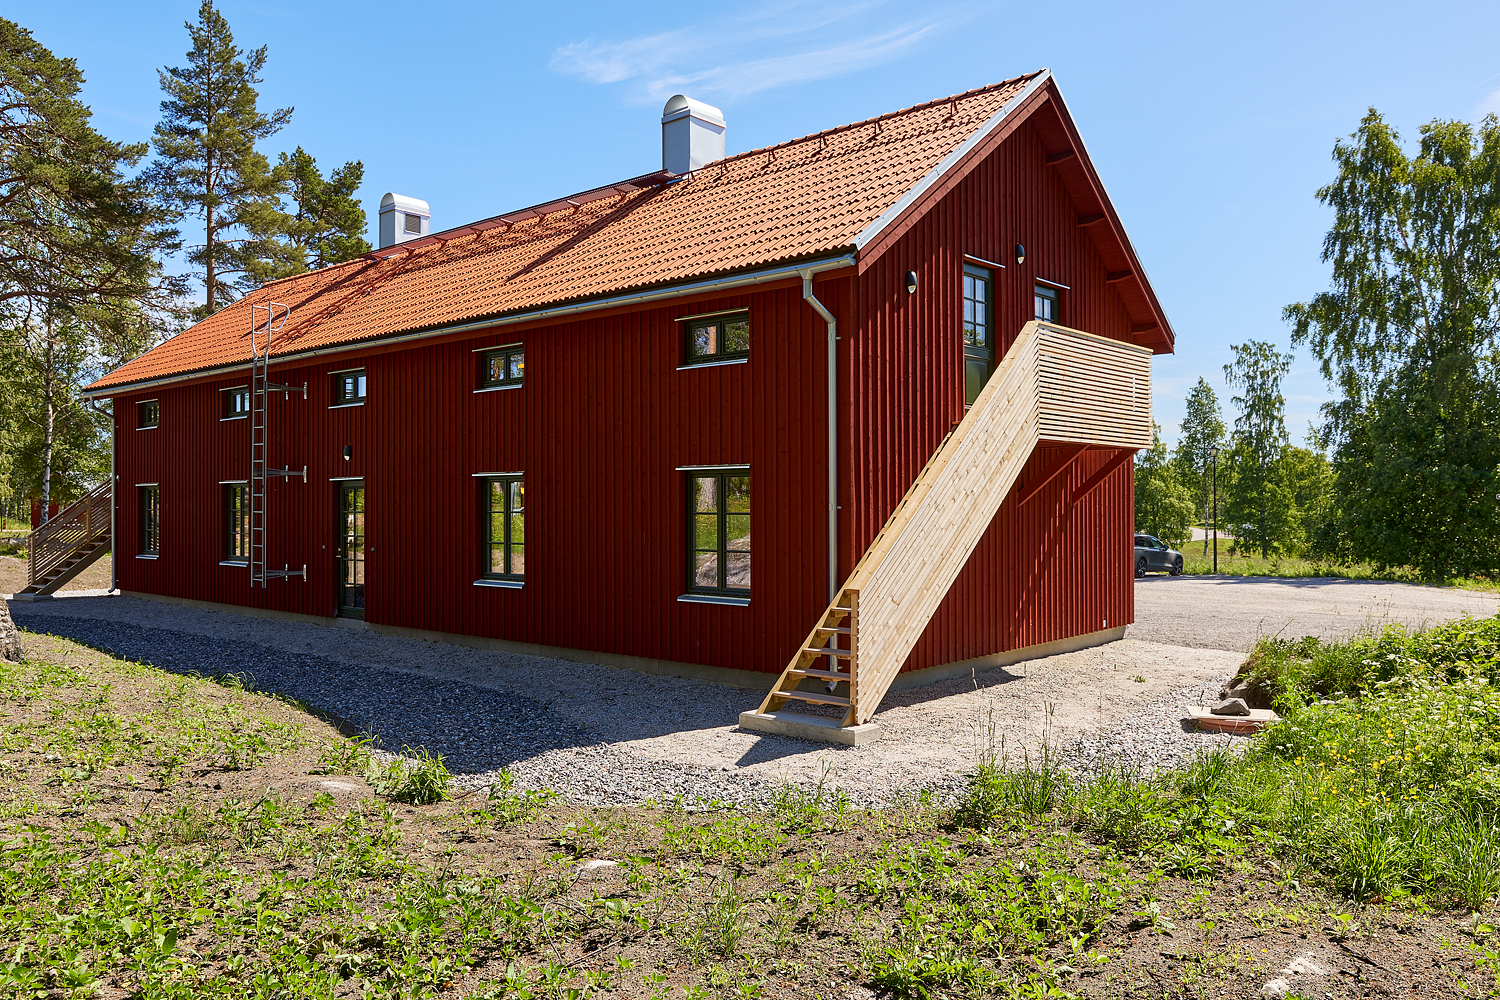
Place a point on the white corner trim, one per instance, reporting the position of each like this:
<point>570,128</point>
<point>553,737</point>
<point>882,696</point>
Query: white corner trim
<point>948,162</point>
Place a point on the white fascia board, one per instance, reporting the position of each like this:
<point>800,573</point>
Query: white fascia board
<point>948,162</point>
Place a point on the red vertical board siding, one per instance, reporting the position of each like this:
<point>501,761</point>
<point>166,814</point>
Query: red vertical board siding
<point>600,427</point>
<point>1050,569</point>
<point>603,423</point>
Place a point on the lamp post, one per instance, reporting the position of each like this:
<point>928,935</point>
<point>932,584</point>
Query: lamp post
<point>1213,456</point>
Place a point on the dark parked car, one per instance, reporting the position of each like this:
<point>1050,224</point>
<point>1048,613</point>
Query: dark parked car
<point>1153,554</point>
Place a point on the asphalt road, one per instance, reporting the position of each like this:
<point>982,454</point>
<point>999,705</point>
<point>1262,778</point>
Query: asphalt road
<point>1228,612</point>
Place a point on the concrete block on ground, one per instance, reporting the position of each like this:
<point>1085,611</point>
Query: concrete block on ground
<point>810,727</point>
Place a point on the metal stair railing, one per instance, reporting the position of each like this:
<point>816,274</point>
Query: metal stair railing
<point>81,525</point>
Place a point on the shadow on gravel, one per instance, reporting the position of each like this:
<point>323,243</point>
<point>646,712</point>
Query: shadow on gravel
<point>475,729</point>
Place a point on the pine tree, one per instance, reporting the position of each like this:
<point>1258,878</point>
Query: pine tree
<point>323,224</point>
<point>1202,434</point>
<point>207,163</point>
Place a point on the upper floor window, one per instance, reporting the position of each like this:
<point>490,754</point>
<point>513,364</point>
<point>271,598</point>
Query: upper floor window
<point>149,497</point>
<point>979,347</point>
<point>721,337</point>
<point>719,532</point>
<point>504,529</point>
<point>147,414</point>
<point>503,367</point>
<point>348,387</point>
<point>236,402</point>
<point>236,523</point>
<point>1046,304</point>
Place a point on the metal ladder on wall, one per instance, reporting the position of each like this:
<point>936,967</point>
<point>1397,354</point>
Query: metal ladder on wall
<point>260,473</point>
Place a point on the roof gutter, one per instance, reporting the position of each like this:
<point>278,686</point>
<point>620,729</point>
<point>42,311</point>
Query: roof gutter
<point>591,305</point>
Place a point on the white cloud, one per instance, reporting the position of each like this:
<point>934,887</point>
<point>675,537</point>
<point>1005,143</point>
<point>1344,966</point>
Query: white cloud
<point>1489,106</point>
<point>729,57</point>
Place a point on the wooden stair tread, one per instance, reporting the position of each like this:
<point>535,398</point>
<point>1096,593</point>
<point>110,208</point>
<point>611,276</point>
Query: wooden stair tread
<point>829,675</point>
<point>836,629</point>
<point>824,651</point>
<point>816,698</point>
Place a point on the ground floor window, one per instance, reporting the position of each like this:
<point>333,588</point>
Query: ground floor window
<point>150,514</point>
<point>504,527</point>
<point>719,532</point>
<point>236,522</point>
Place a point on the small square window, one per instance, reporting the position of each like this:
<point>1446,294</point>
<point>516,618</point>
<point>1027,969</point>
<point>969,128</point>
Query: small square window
<point>236,402</point>
<point>148,414</point>
<point>1046,304</point>
<point>504,366</point>
<point>236,523</point>
<point>718,338</point>
<point>348,387</point>
<point>412,226</point>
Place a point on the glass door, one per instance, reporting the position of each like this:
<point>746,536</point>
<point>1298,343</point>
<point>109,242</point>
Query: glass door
<point>351,549</point>
<point>979,347</point>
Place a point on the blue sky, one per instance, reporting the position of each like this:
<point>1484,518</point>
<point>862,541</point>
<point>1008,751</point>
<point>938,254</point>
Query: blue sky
<point>1211,124</point>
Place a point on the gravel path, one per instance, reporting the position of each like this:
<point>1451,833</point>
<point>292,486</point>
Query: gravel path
<point>604,736</point>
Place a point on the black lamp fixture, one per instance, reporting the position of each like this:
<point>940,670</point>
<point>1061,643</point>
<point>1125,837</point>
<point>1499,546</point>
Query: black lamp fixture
<point>348,452</point>
<point>1020,254</point>
<point>911,282</point>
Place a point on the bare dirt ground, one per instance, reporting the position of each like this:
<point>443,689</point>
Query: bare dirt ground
<point>1230,612</point>
<point>13,576</point>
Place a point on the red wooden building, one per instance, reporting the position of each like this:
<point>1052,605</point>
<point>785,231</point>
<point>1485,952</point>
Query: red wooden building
<point>606,428</point>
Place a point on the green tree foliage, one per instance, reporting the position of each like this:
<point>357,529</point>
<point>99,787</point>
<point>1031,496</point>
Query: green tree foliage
<point>1259,436</point>
<point>207,163</point>
<point>322,224</point>
<point>73,227</point>
<point>1202,434</point>
<point>80,280</point>
<point>1409,336</point>
<point>1284,511</point>
<point>1163,505</point>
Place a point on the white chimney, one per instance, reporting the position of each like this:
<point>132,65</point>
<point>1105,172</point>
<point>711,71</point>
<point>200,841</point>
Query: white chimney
<point>692,134</point>
<point>402,219</point>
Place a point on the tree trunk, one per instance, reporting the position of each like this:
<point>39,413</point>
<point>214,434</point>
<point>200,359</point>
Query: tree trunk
<point>208,247</point>
<point>49,418</point>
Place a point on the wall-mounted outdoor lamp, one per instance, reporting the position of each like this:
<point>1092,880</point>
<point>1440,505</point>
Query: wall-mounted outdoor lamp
<point>348,452</point>
<point>911,282</point>
<point>1020,254</point>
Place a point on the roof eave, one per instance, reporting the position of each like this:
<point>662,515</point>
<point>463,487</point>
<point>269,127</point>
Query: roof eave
<point>813,264</point>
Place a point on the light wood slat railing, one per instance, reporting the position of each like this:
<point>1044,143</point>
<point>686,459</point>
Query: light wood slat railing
<point>83,523</point>
<point>1054,384</point>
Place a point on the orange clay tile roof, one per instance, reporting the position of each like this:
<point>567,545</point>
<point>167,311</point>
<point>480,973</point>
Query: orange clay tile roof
<point>801,199</point>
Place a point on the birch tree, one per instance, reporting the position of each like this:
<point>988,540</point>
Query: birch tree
<point>1260,430</point>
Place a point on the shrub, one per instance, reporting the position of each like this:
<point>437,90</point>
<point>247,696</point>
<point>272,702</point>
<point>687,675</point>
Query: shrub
<point>417,778</point>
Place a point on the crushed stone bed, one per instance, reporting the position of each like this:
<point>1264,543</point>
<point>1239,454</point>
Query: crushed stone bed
<point>603,736</point>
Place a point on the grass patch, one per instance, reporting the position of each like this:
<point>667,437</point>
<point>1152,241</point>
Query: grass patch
<point>1194,562</point>
<point>176,836</point>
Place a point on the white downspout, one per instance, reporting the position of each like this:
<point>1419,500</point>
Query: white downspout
<point>833,434</point>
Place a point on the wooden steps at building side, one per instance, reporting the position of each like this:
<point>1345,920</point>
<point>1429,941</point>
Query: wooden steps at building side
<point>1054,384</point>
<point>69,543</point>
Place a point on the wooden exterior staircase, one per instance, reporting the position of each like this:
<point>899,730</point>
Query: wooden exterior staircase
<point>68,543</point>
<point>1054,384</point>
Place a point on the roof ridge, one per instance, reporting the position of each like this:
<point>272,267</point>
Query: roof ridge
<point>988,88</point>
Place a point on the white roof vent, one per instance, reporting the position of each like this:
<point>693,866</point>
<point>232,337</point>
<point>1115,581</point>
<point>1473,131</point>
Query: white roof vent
<point>402,219</point>
<point>692,134</point>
